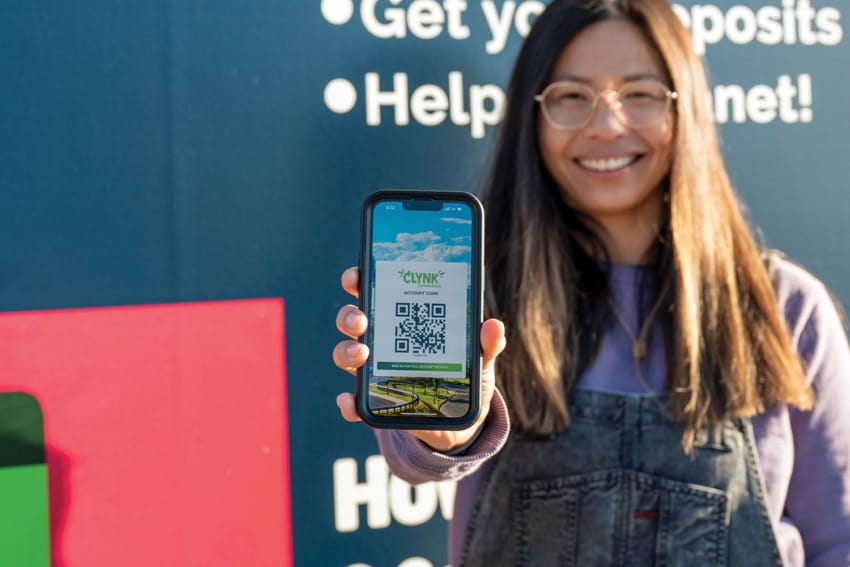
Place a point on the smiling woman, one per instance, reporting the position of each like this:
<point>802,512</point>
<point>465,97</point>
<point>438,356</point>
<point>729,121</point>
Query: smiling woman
<point>606,165</point>
<point>656,399</point>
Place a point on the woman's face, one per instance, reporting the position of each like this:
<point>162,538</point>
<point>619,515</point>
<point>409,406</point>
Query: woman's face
<point>607,169</point>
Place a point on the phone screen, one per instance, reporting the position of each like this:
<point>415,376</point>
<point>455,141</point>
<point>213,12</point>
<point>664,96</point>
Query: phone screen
<point>421,280</point>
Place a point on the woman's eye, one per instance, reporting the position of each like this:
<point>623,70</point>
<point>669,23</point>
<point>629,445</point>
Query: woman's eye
<point>570,97</point>
<point>640,94</point>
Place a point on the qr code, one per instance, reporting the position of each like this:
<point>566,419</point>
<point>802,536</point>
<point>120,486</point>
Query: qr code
<point>420,328</point>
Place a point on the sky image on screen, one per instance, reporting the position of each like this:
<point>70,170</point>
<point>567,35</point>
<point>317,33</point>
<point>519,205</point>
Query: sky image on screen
<point>401,234</point>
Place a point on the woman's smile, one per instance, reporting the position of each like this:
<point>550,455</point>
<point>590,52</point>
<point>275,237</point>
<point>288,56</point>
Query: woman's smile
<point>608,165</point>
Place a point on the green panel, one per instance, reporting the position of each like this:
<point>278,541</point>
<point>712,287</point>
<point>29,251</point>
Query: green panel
<point>429,366</point>
<point>21,430</point>
<point>24,528</point>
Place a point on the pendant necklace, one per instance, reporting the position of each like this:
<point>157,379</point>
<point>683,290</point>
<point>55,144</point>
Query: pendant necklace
<point>639,342</point>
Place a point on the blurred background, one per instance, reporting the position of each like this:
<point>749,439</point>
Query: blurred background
<point>181,154</point>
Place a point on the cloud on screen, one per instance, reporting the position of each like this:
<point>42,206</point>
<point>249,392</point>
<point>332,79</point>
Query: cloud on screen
<point>422,247</point>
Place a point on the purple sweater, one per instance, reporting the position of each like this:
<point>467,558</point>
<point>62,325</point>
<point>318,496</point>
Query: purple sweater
<point>804,456</point>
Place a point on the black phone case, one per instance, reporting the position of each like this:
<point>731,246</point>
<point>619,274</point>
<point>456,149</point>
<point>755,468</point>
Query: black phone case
<point>362,386</point>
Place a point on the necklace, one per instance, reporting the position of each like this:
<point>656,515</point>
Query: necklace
<point>639,349</point>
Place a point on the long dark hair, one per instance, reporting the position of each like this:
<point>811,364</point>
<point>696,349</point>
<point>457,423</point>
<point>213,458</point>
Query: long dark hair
<point>728,350</point>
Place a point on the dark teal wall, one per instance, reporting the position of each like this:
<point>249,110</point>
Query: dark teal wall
<point>180,151</point>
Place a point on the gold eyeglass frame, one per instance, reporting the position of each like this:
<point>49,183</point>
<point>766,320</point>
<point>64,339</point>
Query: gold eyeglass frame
<point>597,96</point>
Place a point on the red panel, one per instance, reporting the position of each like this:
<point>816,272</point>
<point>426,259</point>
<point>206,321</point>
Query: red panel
<point>166,431</point>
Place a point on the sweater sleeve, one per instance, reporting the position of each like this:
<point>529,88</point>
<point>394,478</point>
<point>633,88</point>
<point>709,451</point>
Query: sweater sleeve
<point>818,501</point>
<point>413,461</point>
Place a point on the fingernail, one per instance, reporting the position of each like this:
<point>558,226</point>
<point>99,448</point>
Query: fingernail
<point>352,319</point>
<point>352,350</point>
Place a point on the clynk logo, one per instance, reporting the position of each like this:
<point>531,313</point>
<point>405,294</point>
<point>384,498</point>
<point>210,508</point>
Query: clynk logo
<point>422,279</point>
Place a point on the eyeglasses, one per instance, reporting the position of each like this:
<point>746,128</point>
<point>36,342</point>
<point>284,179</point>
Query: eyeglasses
<point>568,105</point>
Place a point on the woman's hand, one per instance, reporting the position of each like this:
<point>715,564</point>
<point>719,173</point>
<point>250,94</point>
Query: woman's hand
<point>351,355</point>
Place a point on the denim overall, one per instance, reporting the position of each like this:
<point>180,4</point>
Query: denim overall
<point>615,488</point>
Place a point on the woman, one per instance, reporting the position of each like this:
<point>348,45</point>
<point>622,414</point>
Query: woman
<point>677,396</point>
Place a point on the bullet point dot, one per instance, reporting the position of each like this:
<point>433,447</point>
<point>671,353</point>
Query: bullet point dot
<point>340,96</point>
<point>337,12</point>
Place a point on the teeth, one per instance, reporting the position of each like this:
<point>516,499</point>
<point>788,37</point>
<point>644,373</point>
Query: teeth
<point>608,164</point>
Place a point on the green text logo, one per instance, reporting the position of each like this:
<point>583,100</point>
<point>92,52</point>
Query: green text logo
<point>422,279</point>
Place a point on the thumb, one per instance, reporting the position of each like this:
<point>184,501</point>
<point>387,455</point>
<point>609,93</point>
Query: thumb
<point>492,344</point>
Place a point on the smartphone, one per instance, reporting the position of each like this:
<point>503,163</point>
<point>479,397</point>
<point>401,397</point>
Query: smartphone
<point>421,287</point>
